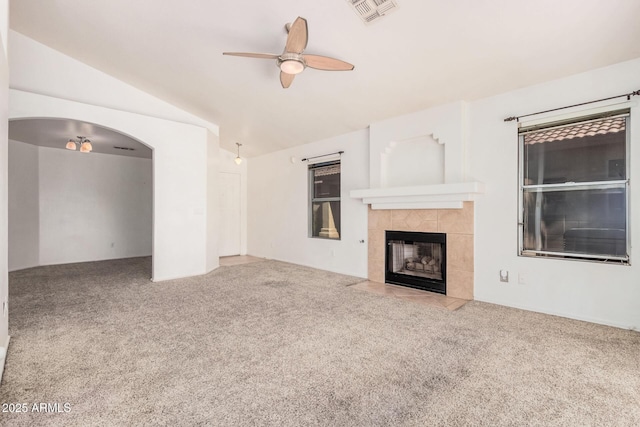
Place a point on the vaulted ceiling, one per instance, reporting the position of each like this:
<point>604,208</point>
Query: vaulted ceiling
<point>425,53</point>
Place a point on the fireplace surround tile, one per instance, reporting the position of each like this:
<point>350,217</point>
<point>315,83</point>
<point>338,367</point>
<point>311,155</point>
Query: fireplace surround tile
<point>460,251</point>
<point>423,227</point>
<point>399,214</point>
<point>456,223</point>
<point>460,284</point>
<point>381,220</point>
<point>456,220</point>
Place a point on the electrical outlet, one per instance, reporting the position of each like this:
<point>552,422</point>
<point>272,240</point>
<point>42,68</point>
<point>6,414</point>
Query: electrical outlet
<point>504,276</point>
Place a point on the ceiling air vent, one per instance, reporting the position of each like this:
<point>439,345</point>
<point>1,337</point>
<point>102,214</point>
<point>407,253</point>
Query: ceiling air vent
<point>124,148</point>
<point>371,10</point>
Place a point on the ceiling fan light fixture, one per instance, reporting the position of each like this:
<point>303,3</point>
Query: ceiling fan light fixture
<point>82,141</point>
<point>86,147</point>
<point>292,61</point>
<point>292,66</point>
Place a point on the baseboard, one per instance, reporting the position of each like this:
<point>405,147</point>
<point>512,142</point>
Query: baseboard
<point>166,278</point>
<point>22,267</point>
<point>3,357</point>
<point>11,270</point>
<point>561,314</point>
<point>313,266</point>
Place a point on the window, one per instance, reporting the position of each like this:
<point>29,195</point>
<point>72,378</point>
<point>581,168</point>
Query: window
<point>324,196</point>
<point>574,189</point>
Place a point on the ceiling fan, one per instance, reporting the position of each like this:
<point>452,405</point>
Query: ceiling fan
<point>292,61</point>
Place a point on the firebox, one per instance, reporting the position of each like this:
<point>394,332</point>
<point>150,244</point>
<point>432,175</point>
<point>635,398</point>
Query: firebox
<point>417,260</point>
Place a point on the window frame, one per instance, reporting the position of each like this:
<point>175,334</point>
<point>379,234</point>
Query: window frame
<point>592,185</point>
<point>312,200</point>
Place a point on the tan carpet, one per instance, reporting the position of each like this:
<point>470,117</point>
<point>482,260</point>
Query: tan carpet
<point>271,343</point>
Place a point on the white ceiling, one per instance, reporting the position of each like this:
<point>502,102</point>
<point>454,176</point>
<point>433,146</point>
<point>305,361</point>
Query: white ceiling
<point>424,54</point>
<point>55,133</point>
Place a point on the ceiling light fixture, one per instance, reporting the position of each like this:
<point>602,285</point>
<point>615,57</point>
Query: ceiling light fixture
<point>291,66</point>
<point>82,141</point>
<point>291,63</point>
<point>238,160</point>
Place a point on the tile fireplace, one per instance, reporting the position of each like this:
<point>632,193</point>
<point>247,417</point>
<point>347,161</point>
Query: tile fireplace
<point>456,226</point>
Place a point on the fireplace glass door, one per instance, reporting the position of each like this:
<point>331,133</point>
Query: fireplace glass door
<point>416,260</point>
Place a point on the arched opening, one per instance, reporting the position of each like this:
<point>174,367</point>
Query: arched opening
<point>185,239</point>
<point>67,206</point>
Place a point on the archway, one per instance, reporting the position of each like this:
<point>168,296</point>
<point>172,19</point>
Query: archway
<point>184,233</point>
<point>67,206</point>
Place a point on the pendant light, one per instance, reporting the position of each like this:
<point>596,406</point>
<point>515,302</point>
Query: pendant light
<point>238,160</point>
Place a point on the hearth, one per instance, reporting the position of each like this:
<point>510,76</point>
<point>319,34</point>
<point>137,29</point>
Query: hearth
<point>417,260</point>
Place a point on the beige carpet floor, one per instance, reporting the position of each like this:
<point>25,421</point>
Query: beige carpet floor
<point>271,343</point>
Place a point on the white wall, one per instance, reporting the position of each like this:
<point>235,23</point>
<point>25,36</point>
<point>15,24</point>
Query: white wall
<point>24,217</point>
<point>93,207</point>
<point>418,161</point>
<point>595,292</point>
<point>4,131</point>
<point>278,211</point>
<point>213,155</point>
<point>72,207</point>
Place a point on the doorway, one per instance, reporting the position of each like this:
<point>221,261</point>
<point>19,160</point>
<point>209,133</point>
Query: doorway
<point>229,243</point>
<point>66,205</point>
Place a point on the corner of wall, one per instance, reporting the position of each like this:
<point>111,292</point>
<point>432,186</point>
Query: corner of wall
<point>3,356</point>
<point>213,167</point>
<point>4,141</point>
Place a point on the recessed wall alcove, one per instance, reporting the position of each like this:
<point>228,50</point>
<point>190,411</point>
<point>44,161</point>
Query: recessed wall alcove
<point>414,161</point>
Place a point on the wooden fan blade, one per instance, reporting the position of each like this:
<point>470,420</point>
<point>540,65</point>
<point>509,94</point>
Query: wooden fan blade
<point>298,36</point>
<point>325,63</point>
<point>286,79</point>
<point>253,55</point>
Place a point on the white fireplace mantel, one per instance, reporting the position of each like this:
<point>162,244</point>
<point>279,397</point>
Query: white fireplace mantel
<point>436,196</point>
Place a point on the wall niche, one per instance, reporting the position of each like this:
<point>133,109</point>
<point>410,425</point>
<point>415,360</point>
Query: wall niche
<point>414,161</point>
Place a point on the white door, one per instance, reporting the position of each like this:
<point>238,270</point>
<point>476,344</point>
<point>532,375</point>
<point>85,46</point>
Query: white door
<point>229,238</point>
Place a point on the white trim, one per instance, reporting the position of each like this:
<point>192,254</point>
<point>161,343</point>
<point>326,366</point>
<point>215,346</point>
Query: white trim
<point>3,356</point>
<point>165,279</point>
<point>438,196</point>
<point>575,112</point>
<point>461,197</point>
<point>418,205</point>
<point>589,319</point>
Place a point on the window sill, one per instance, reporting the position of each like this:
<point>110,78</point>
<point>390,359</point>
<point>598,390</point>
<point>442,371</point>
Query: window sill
<point>613,260</point>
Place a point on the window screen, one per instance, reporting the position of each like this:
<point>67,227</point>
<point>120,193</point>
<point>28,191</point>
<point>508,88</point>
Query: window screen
<point>324,209</point>
<point>574,190</point>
